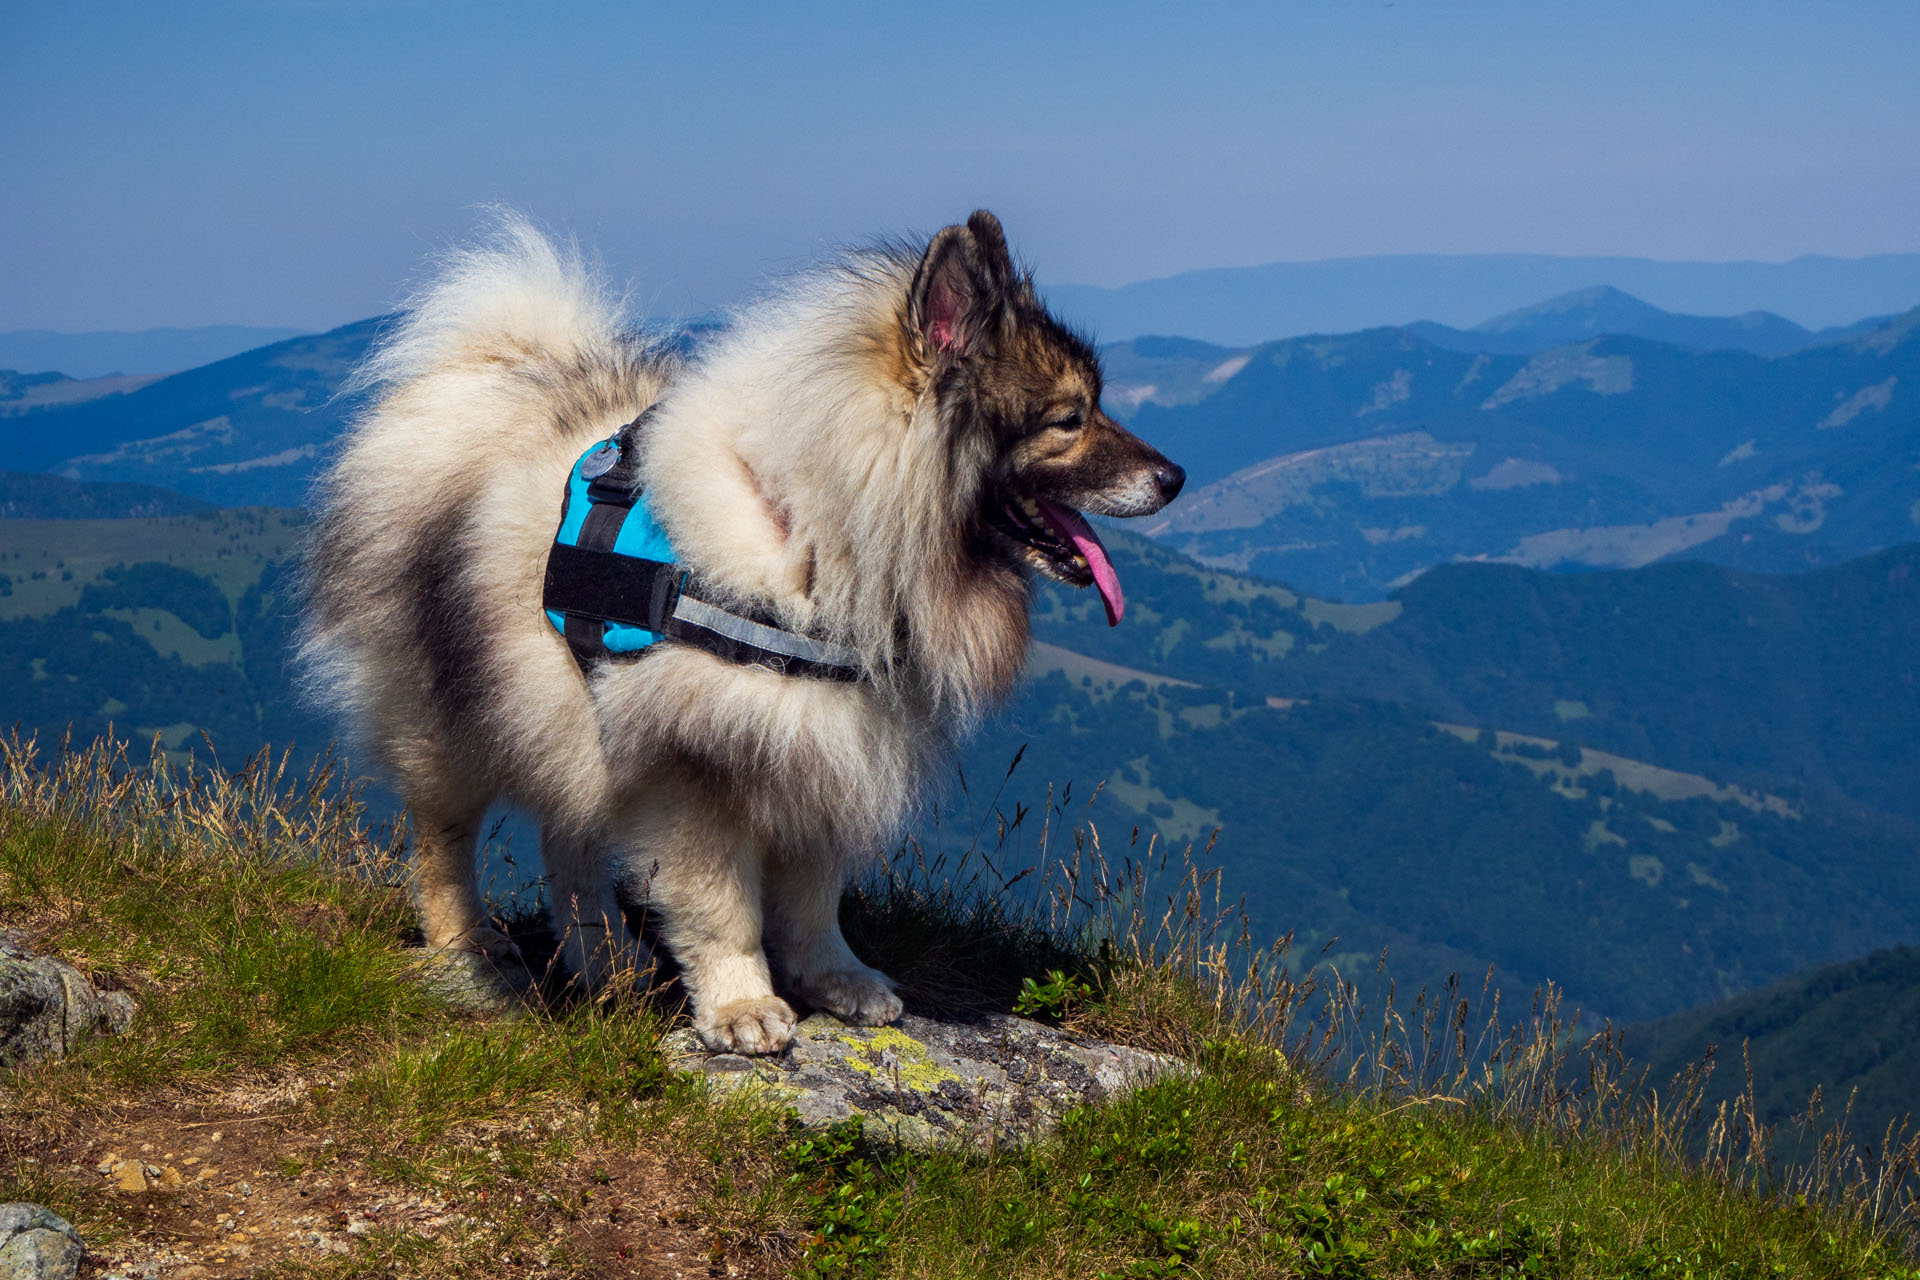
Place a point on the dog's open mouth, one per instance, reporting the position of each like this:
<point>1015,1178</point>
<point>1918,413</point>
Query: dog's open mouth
<point>1064,547</point>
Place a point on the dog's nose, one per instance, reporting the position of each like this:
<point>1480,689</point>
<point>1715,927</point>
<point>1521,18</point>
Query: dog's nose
<point>1169,477</point>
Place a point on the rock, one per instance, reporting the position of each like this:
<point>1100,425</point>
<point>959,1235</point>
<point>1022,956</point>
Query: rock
<point>128,1176</point>
<point>474,981</point>
<point>922,1082</point>
<point>37,1244</point>
<point>47,1007</point>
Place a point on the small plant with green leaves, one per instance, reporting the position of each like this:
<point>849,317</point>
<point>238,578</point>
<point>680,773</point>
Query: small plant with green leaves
<point>1055,996</point>
<point>843,1202</point>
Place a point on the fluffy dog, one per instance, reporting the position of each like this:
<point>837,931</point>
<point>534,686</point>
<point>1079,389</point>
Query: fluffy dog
<point>880,455</point>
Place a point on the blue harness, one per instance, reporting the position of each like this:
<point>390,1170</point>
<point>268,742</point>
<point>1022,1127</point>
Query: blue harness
<point>613,588</point>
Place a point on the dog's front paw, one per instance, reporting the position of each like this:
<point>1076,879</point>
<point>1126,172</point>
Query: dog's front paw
<point>863,996</point>
<point>761,1024</point>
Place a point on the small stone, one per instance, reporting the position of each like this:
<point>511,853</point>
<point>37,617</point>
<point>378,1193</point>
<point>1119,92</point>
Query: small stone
<point>129,1176</point>
<point>190,1161</point>
<point>246,1188</point>
<point>109,1163</point>
<point>721,1063</point>
<point>38,1244</point>
<point>171,1177</point>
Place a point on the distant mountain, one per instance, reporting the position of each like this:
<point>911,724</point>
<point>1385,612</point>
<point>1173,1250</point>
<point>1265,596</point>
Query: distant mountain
<point>249,429</point>
<point>1347,464</point>
<point>1164,371</point>
<point>29,495</point>
<point>1342,464</point>
<point>22,393</point>
<point>1807,684</point>
<point>1240,306</point>
<point>1845,1028</point>
<point>1603,310</point>
<point>130,352</point>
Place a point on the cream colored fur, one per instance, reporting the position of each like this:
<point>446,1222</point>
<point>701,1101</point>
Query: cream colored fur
<point>799,462</point>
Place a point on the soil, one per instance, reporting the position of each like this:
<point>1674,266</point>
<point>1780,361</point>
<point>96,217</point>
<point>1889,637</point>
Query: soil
<point>238,1192</point>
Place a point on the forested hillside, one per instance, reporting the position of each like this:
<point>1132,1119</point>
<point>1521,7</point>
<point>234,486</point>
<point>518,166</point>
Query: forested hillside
<point>1851,1031</point>
<point>170,626</point>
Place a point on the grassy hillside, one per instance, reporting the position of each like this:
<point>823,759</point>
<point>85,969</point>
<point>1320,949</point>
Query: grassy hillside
<point>309,1110</point>
<point>1850,1031</point>
<point>32,495</point>
<point>170,626</point>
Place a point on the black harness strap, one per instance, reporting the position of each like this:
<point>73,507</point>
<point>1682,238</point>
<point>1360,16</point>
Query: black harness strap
<point>612,587</point>
<point>590,585</point>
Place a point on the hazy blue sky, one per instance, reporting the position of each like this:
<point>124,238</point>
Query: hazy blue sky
<point>293,161</point>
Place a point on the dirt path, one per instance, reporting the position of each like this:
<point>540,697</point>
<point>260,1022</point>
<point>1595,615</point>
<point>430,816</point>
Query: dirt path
<point>199,1191</point>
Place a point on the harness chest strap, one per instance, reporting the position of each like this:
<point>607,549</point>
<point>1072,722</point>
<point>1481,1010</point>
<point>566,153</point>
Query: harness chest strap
<point>613,596</point>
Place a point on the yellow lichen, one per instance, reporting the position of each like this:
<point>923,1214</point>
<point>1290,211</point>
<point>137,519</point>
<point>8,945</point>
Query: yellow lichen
<point>912,1067</point>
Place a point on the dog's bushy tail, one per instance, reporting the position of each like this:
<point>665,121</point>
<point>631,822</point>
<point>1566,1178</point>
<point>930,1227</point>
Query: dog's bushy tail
<point>514,294</point>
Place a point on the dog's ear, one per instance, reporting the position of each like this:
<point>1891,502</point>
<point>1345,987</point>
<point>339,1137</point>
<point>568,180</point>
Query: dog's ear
<point>961,287</point>
<point>994,258</point>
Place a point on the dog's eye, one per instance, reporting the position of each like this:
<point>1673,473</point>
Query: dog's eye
<point>1069,421</point>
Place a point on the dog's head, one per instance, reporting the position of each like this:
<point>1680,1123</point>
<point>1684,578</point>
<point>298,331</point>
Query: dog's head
<point>1011,378</point>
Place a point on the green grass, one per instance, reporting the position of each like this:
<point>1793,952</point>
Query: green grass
<point>264,932</point>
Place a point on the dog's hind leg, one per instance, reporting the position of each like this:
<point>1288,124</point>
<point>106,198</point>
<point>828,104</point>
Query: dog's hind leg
<point>445,885</point>
<point>594,939</point>
<point>708,890</point>
<point>803,907</point>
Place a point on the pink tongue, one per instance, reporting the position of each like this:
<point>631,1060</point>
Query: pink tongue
<point>1074,527</point>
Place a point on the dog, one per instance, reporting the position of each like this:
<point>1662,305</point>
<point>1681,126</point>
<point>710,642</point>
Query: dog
<point>879,455</point>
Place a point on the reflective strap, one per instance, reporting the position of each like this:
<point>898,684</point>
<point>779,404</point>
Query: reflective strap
<point>787,644</point>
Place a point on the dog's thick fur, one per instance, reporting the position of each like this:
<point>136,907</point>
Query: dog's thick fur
<point>828,457</point>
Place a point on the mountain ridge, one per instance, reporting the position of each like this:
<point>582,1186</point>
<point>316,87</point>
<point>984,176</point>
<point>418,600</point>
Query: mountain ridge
<point>133,352</point>
<point>1243,306</point>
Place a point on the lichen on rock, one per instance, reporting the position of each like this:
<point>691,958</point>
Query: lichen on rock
<point>37,1244</point>
<point>923,1082</point>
